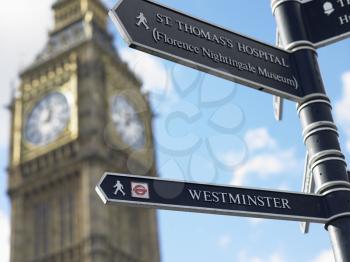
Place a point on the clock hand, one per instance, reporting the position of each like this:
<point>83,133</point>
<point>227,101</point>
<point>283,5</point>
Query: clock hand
<point>49,117</point>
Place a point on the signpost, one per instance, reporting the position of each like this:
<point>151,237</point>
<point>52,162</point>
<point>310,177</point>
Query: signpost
<point>320,134</point>
<point>209,198</point>
<point>308,187</point>
<point>326,21</point>
<point>277,102</point>
<point>167,33</point>
<point>277,107</point>
<point>292,73</point>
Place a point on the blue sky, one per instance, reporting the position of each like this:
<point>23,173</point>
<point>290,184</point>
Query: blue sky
<point>208,130</point>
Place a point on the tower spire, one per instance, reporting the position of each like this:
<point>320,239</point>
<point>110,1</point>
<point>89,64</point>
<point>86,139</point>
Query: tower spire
<point>68,12</point>
<point>75,22</point>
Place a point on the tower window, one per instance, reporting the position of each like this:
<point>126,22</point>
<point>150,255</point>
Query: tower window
<point>67,219</point>
<point>41,228</point>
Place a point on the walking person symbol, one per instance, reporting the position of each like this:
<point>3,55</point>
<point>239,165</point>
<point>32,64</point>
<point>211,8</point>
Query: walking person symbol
<point>119,188</point>
<point>142,20</point>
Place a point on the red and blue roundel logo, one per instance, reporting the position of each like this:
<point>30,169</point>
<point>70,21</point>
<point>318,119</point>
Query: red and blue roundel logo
<point>139,190</point>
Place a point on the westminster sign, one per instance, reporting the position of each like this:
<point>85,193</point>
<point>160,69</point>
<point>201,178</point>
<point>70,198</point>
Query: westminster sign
<point>216,199</point>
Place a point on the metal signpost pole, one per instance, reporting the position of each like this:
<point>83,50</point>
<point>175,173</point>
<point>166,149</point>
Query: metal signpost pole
<point>319,131</point>
<point>292,73</point>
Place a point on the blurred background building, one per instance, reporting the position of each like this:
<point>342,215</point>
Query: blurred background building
<point>78,112</point>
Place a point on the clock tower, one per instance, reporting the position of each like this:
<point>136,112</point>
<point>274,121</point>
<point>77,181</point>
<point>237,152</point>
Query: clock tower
<point>79,112</point>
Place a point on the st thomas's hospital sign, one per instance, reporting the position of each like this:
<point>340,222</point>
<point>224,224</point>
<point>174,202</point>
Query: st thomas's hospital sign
<point>164,32</point>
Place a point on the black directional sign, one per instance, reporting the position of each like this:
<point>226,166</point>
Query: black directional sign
<point>167,33</point>
<point>208,198</point>
<point>326,21</point>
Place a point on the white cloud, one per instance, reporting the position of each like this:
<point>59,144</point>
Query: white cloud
<point>274,257</point>
<point>254,221</point>
<point>266,160</point>
<point>348,145</point>
<point>342,108</point>
<point>265,165</point>
<point>23,32</point>
<point>4,238</point>
<point>232,158</point>
<point>324,256</point>
<point>259,139</point>
<point>149,69</point>
<point>224,241</point>
<point>283,187</point>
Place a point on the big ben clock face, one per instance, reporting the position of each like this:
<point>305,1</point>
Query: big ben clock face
<point>47,120</point>
<point>127,122</point>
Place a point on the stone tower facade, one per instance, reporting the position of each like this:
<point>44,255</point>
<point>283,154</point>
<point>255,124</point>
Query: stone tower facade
<point>79,112</point>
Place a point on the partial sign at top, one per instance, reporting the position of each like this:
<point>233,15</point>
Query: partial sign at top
<point>167,33</point>
<point>327,21</point>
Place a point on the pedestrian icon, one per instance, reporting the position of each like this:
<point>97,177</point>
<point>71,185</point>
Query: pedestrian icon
<point>142,20</point>
<point>328,8</point>
<point>119,188</point>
